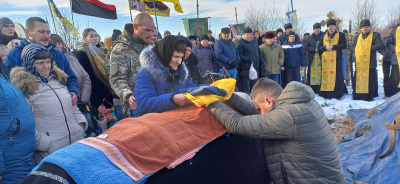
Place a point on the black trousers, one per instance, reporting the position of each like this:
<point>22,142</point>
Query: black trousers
<point>386,74</point>
<point>291,74</point>
<point>247,84</point>
<point>393,82</point>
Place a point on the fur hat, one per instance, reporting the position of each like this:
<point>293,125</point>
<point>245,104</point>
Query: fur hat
<point>317,25</point>
<point>247,30</point>
<point>225,30</point>
<point>288,26</point>
<point>331,22</point>
<point>269,35</point>
<point>306,34</point>
<point>365,22</point>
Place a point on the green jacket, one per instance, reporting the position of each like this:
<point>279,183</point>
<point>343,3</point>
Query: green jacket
<point>299,145</point>
<point>273,58</point>
<point>124,66</point>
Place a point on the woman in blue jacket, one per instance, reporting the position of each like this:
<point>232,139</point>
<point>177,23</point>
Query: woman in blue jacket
<point>17,134</point>
<point>162,81</point>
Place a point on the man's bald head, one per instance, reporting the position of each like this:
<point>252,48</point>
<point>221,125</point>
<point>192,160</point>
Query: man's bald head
<point>144,27</point>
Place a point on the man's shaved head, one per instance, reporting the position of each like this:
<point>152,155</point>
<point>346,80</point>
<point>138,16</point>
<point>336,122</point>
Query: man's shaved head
<point>142,18</point>
<point>143,27</point>
<point>266,87</point>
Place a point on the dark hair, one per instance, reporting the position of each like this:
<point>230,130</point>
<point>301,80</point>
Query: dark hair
<point>30,23</point>
<point>279,30</point>
<point>56,39</point>
<point>180,46</point>
<point>42,54</point>
<point>86,32</point>
<point>267,86</point>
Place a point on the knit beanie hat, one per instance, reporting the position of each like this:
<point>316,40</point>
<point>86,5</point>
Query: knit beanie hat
<point>115,34</point>
<point>4,21</point>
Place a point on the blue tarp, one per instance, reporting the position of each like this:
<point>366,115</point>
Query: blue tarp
<point>360,156</point>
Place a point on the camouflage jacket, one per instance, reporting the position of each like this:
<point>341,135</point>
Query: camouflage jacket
<point>124,66</point>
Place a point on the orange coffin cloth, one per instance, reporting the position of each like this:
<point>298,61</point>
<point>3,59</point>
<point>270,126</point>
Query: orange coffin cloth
<point>144,145</point>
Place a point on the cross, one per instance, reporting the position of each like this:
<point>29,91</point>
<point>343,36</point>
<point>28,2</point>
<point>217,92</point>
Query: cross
<point>330,15</point>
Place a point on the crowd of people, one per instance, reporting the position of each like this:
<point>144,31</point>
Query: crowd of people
<point>136,72</point>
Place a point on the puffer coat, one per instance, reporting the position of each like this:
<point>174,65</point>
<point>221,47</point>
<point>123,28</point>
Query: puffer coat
<point>299,145</point>
<point>56,120</point>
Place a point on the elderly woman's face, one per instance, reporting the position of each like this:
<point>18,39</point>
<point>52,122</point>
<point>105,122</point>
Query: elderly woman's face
<point>43,66</point>
<point>176,60</point>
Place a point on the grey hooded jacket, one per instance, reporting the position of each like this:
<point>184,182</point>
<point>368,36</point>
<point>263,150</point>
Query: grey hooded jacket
<point>298,142</point>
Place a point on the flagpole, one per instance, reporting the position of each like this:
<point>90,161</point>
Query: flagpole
<point>51,13</point>
<point>130,12</point>
<point>155,13</point>
<point>73,23</point>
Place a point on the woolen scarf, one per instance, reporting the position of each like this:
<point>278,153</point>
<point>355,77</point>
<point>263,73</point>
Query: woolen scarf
<point>28,55</point>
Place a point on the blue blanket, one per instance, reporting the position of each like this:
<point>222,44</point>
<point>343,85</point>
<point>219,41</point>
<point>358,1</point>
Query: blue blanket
<point>83,168</point>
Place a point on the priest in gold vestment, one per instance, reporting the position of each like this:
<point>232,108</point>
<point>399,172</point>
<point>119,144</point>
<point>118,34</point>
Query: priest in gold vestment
<point>365,46</point>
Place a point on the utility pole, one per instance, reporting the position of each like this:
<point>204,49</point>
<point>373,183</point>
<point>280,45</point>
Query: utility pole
<point>236,15</point>
<point>197,8</point>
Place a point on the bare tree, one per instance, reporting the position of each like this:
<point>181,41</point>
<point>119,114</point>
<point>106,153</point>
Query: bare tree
<point>393,15</point>
<point>265,18</point>
<point>365,9</point>
<point>58,28</point>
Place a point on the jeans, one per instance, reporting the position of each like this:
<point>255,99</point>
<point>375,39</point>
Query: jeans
<point>118,112</point>
<point>273,77</point>
<point>232,72</point>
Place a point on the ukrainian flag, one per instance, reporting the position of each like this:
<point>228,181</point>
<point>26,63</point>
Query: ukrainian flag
<point>68,27</point>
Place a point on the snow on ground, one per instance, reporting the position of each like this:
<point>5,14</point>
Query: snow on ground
<point>337,109</point>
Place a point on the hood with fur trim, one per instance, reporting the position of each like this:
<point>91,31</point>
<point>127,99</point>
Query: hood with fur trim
<point>28,84</point>
<point>150,61</point>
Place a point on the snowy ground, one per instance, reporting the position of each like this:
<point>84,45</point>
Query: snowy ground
<point>337,109</point>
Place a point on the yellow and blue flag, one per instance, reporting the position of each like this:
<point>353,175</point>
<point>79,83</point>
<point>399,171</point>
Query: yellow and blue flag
<point>68,27</point>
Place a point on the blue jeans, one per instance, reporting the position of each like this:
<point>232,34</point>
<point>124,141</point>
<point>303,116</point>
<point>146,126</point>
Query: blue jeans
<point>232,72</point>
<point>273,77</point>
<point>118,112</point>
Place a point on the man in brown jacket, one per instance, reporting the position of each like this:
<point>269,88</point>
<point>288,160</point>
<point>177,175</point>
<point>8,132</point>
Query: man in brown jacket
<point>298,142</point>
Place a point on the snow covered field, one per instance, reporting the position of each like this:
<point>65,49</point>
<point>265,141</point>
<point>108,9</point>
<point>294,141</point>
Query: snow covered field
<point>337,109</point>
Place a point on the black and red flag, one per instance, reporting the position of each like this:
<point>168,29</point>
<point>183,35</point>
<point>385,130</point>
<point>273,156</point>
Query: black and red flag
<point>94,8</point>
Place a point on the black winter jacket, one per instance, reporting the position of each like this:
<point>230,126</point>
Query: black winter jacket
<point>250,53</point>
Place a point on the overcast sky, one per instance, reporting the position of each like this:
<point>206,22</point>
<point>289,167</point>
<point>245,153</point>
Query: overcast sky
<point>221,11</point>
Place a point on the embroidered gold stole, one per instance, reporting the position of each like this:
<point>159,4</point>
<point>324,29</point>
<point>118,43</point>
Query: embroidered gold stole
<point>316,69</point>
<point>363,56</point>
<point>398,48</point>
<point>329,64</point>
